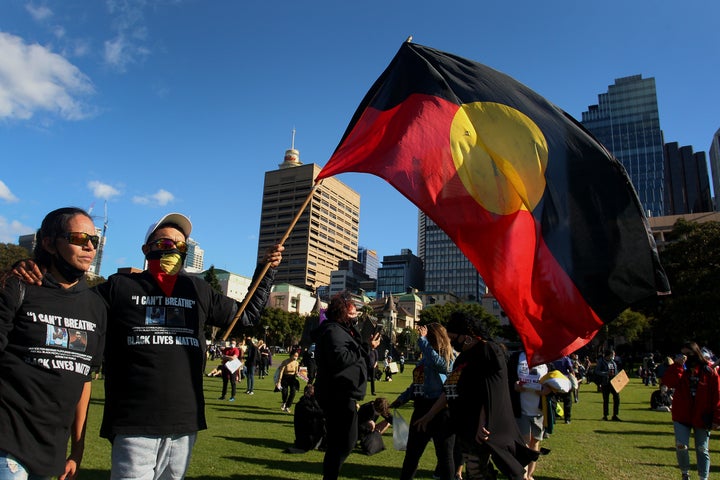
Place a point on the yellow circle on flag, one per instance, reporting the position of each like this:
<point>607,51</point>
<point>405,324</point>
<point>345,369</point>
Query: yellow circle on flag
<point>500,155</point>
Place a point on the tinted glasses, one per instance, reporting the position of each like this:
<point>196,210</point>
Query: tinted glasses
<point>169,244</point>
<point>81,238</point>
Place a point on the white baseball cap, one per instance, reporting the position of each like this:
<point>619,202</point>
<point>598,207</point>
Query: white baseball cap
<point>177,218</point>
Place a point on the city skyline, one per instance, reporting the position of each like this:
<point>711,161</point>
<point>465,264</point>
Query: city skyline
<point>181,106</point>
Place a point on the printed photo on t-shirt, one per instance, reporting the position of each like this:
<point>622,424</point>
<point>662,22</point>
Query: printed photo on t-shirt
<point>78,340</point>
<point>175,317</point>
<point>56,336</point>
<point>155,316</point>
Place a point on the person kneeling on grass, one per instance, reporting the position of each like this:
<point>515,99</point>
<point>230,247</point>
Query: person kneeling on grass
<point>309,423</point>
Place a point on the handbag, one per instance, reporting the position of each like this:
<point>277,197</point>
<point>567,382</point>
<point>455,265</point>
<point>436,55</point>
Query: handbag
<point>401,430</point>
<point>372,443</point>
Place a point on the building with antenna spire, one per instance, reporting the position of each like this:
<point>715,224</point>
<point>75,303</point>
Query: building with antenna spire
<point>326,232</point>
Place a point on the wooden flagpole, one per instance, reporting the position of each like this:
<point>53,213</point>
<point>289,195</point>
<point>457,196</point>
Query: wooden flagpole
<point>257,281</point>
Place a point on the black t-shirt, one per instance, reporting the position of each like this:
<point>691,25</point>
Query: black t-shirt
<point>155,350</point>
<point>50,339</point>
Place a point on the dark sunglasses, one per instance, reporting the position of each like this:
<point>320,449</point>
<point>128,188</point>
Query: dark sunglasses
<point>81,238</point>
<point>168,244</point>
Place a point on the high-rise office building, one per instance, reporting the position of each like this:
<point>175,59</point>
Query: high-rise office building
<point>97,261</point>
<point>399,273</point>
<point>687,188</point>
<point>715,167</point>
<point>369,260</point>
<point>195,258</point>
<point>326,232</point>
<point>447,269</point>
<point>627,121</point>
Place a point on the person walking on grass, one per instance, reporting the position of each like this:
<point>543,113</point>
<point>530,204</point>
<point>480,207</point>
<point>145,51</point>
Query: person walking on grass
<point>695,406</point>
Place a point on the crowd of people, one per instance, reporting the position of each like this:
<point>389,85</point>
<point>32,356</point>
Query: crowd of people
<point>485,409</point>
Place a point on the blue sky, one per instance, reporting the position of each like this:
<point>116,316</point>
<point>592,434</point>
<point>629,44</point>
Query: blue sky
<point>182,105</point>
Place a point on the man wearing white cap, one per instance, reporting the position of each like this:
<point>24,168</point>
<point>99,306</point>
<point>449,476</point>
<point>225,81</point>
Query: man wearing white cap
<point>155,346</point>
<point>154,403</point>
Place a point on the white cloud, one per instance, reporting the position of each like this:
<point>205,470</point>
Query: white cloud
<point>160,198</point>
<point>6,194</point>
<point>127,46</point>
<point>103,190</point>
<point>40,13</point>
<point>34,79</point>
<point>11,230</point>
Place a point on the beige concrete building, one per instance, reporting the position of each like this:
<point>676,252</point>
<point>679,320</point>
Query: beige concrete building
<point>326,232</point>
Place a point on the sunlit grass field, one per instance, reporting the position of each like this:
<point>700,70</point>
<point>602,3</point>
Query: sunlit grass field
<point>246,439</point>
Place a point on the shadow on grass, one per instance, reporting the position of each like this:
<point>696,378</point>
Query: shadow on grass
<point>295,465</point>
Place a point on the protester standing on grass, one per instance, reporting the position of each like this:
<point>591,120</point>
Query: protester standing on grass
<point>427,386</point>
<point>288,383</point>
<point>45,386</point>
<point>478,397</point>
<point>605,370</point>
<point>229,356</point>
<point>695,406</point>
<point>341,380</point>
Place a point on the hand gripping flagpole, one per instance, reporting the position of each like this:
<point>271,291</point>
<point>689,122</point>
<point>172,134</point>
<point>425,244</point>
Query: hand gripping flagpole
<point>259,278</point>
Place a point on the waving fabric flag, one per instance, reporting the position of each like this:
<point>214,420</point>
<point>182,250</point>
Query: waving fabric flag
<point>547,216</point>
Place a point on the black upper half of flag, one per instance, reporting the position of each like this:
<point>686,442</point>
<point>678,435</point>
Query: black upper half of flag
<point>590,215</point>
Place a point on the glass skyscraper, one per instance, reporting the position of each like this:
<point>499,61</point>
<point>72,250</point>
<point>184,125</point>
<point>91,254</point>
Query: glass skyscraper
<point>627,121</point>
<point>447,269</point>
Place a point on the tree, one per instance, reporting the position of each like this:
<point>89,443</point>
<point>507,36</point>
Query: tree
<point>442,313</point>
<point>10,253</point>
<point>692,264</point>
<point>284,328</point>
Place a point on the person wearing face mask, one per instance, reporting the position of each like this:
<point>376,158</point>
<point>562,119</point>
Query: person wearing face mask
<point>45,379</point>
<point>695,406</point>
<point>155,350</point>
<point>341,381</point>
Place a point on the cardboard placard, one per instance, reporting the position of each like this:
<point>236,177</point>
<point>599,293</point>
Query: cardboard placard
<point>619,381</point>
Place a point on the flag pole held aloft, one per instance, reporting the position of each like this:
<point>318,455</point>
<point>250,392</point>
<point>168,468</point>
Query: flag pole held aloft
<point>266,267</point>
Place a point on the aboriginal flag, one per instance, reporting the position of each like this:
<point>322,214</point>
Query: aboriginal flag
<point>543,211</point>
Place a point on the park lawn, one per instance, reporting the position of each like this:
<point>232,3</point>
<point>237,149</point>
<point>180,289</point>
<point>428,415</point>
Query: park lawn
<point>246,439</point>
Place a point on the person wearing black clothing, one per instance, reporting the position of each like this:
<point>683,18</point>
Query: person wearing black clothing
<point>45,384</point>
<point>371,367</point>
<point>308,361</point>
<point>341,379</point>
<point>251,360</point>
<point>309,422</point>
<point>605,370</point>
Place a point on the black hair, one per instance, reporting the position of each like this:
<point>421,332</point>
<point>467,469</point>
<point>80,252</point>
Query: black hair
<point>167,225</point>
<point>53,226</point>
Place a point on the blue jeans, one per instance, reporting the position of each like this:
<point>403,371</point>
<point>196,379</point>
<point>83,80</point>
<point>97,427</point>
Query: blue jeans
<point>12,469</point>
<point>702,454</point>
<point>250,378</point>
<point>151,457</point>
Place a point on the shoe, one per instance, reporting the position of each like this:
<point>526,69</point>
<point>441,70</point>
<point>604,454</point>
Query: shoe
<point>685,476</point>
<point>232,399</point>
<point>567,422</point>
<point>615,418</point>
<point>221,398</point>
<point>288,410</point>
<point>605,418</point>
<point>251,393</point>
<point>282,408</point>
<point>247,391</point>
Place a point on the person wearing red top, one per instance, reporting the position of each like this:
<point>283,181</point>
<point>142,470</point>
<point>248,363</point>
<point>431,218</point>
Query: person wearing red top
<point>229,354</point>
<point>695,406</point>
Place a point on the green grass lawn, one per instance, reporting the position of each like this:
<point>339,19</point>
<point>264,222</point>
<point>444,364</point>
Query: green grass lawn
<point>246,439</point>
